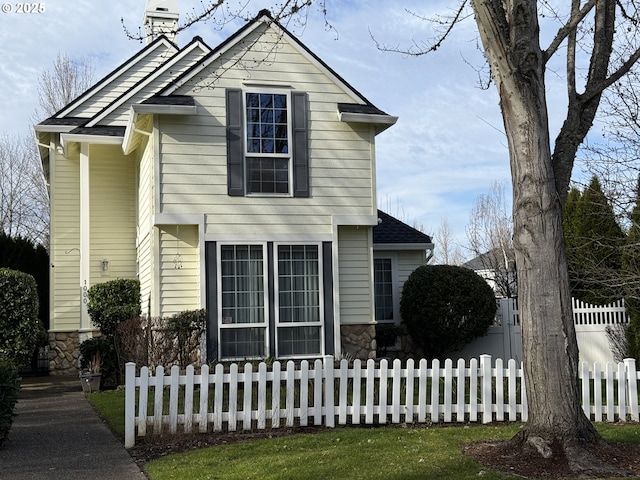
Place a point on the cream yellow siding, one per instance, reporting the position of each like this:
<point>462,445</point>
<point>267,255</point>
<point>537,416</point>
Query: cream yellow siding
<point>112,203</point>
<point>193,168</point>
<point>123,82</point>
<point>355,275</point>
<point>146,233</point>
<point>179,266</point>
<point>65,242</point>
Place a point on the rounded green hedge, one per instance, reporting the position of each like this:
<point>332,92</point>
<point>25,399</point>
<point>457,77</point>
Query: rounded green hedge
<point>445,307</point>
<point>19,324</point>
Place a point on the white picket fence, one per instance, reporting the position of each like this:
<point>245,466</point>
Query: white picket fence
<point>319,393</point>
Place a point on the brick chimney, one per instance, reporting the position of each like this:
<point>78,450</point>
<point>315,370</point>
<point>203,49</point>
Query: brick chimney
<point>161,17</point>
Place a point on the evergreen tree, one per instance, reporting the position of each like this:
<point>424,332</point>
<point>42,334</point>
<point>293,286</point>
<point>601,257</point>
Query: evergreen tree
<point>631,271</point>
<point>594,245</point>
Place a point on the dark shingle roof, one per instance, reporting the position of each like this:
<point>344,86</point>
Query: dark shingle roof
<point>357,108</point>
<point>171,100</point>
<point>101,130</point>
<point>391,230</point>
<point>71,121</point>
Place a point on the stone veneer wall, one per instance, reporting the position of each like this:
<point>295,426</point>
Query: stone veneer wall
<point>64,350</point>
<point>358,341</point>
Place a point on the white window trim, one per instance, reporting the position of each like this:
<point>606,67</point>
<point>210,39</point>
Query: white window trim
<point>276,284</point>
<point>289,155</point>
<point>265,277</point>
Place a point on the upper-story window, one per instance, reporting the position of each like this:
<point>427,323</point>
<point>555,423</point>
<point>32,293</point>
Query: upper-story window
<point>267,154</point>
<point>267,142</point>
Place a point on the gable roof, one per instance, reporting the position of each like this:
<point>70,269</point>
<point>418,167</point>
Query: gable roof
<point>362,110</point>
<point>393,233</point>
<point>126,65</point>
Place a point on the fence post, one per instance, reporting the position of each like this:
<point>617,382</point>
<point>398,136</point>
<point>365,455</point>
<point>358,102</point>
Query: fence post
<point>632,382</point>
<point>130,405</point>
<point>485,372</point>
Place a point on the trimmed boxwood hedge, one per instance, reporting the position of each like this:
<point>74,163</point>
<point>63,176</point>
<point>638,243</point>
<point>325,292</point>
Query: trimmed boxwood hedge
<point>445,307</point>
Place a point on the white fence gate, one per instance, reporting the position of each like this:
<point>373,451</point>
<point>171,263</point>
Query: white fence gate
<point>323,393</point>
<point>504,339</point>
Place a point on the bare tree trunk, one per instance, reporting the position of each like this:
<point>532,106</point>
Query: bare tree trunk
<point>550,349</point>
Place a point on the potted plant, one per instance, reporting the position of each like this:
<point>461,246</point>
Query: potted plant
<point>90,365</point>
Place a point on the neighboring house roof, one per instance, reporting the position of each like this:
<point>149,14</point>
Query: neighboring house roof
<point>392,232</point>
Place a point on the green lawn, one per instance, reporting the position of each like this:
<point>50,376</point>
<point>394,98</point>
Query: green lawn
<point>393,453</point>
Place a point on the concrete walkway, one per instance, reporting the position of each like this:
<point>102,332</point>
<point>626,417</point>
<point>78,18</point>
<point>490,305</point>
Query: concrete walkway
<point>58,435</point>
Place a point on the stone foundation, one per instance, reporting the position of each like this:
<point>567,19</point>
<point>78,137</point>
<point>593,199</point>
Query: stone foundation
<point>358,341</point>
<point>64,350</point>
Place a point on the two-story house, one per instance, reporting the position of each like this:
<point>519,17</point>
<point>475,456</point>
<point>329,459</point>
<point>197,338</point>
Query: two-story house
<point>240,179</point>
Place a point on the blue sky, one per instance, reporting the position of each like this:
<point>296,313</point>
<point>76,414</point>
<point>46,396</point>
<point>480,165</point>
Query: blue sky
<point>447,148</point>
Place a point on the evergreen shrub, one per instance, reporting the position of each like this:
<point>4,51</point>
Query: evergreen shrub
<point>19,324</point>
<point>445,307</point>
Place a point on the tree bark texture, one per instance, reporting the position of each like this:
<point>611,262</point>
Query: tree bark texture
<point>510,34</point>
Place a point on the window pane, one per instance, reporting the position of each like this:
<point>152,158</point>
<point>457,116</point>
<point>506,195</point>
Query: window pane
<point>242,284</point>
<point>299,341</point>
<point>267,123</point>
<point>242,342</point>
<point>268,175</point>
<point>383,287</point>
<point>298,283</point>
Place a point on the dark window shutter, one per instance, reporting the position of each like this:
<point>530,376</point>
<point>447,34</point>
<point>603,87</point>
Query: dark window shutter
<point>235,146</point>
<point>300,145</point>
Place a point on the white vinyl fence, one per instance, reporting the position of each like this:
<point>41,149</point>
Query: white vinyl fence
<point>325,394</point>
<point>504,339</point>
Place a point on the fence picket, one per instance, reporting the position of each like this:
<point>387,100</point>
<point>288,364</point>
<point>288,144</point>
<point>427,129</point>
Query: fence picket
<point>246,404</point>
<point>622,392</point>
<point>218,392</point>
<point>632,383</point>
<point>157,400</point>
<point>329,399</point>
<point>422,391</point>
<point>491,390</point>
<point>304,393</point>
<point>485,377</point>
<point>586,407</point>
<point>344,384</point>
<point>609,376</point>
<point>317,392</point>
<point>357,386</point>
<point>290,394</point>
<point>275,396</point>
<point>460,390</point>
<point>188,399</point>
<point>512,385</point>
<point>204,399</point>
<point>597,392</point>
<point>448,382</point>
<point>473,390</point>
<point>435,390</point>
<point>369,399</point>
<point>382,389</point>
<point>499,388</point>
<point>409,407</point>
<point>262,396</point>
<point>142,400</point>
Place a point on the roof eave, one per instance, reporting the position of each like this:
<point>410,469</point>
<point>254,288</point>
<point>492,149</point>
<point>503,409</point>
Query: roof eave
<point>382,122</point>
<point>403,246</point>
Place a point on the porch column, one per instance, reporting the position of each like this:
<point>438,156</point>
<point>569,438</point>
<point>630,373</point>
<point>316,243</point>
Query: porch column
<point>85,245</point>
